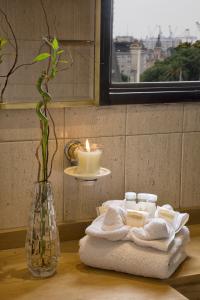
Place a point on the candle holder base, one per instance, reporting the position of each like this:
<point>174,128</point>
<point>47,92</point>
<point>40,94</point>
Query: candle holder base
<point>73,171</point>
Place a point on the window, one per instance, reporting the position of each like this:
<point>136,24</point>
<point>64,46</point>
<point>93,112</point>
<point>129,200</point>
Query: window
<point>150,51</point>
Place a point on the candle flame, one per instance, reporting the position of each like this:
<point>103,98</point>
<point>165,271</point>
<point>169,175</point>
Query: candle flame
<point>87,145</point>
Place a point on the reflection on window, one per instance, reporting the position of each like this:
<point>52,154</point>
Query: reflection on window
<point>156,41</point>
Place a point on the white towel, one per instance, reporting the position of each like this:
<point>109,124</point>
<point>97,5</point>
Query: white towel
<point>125,256</point>
<point>114,219</point>
<point>177,220</point>
<point>114,203</point>
<point>157,234</point>
<point>162,244</point>
<point>180,219</point>
<point>111,226</point>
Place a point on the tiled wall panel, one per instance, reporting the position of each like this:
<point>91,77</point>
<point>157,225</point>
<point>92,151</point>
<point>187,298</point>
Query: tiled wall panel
<point>23,125</point>
<point>95,121</point>
<point>155,118</point>
<point>67,20</point>
<point>190,189</point>
<point>153,162</point>
<point>191,117</point>
<point>18,172</point>
<point>153,165</point>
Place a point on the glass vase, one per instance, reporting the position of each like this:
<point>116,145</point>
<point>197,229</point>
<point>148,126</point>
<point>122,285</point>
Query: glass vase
<point>42,241</point>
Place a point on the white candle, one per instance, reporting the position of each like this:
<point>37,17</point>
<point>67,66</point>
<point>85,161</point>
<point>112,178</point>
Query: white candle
<point>89,161</point>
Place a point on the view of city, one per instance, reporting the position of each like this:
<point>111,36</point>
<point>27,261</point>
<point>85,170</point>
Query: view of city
<point>165,46</point>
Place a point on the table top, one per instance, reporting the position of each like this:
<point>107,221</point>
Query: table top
<point>75,281</point>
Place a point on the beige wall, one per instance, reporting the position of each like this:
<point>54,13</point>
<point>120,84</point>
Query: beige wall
<point>152,148</point>
<point>68,20</point>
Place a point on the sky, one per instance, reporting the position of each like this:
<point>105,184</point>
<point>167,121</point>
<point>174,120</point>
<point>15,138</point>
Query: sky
<point>141,18</point>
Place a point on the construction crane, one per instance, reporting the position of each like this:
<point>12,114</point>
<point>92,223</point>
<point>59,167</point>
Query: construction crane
<point>170,32</point>
<point>198,27</point>
<point>171,36</point>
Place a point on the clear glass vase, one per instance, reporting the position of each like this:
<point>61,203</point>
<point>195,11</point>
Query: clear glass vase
<point>42,241</point>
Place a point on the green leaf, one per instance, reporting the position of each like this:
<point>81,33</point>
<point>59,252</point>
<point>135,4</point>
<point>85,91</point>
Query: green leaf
<point>55,45</point>
<point>63,61</point>
<point>41,56</point>
<point>60,51</point>
<point>3,42</point>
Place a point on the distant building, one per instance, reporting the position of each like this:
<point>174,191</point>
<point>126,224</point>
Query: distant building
<point>138,60</point>
<point>116,76</point>
<point>123,57</point>
<point>124,39</point>
<point>131,57</point>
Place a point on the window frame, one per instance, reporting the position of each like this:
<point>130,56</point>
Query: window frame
<point>123,93</point>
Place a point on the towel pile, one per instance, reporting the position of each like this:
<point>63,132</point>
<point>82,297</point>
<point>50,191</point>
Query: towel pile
<point>154,250</point>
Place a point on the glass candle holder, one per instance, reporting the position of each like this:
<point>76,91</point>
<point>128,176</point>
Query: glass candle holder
<point>89,158</point>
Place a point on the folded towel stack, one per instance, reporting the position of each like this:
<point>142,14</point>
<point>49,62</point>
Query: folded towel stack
<point>154,250</point>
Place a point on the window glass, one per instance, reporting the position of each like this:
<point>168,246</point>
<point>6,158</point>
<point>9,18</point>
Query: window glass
<point>156,41</point>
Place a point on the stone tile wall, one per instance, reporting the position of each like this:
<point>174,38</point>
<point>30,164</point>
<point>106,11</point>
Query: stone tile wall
<point>68,20</point>
<point>149,148</point>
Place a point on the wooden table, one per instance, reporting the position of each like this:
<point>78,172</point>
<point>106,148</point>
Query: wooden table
<point>75,281</point>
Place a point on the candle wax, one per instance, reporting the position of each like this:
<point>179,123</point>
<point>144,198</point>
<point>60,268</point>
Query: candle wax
<point>89,162</point>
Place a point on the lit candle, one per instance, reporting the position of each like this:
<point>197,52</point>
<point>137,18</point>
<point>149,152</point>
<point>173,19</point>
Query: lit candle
<point>89,159</point>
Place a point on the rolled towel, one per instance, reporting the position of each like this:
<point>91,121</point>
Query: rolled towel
<point>114,218</point>
<point>175,218</point>
<point>125,256</point>
<point>110,226</point>
<point>155,229</point>
<point>114,203</point>
<point>101,210</point>
<point>156,234</point>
